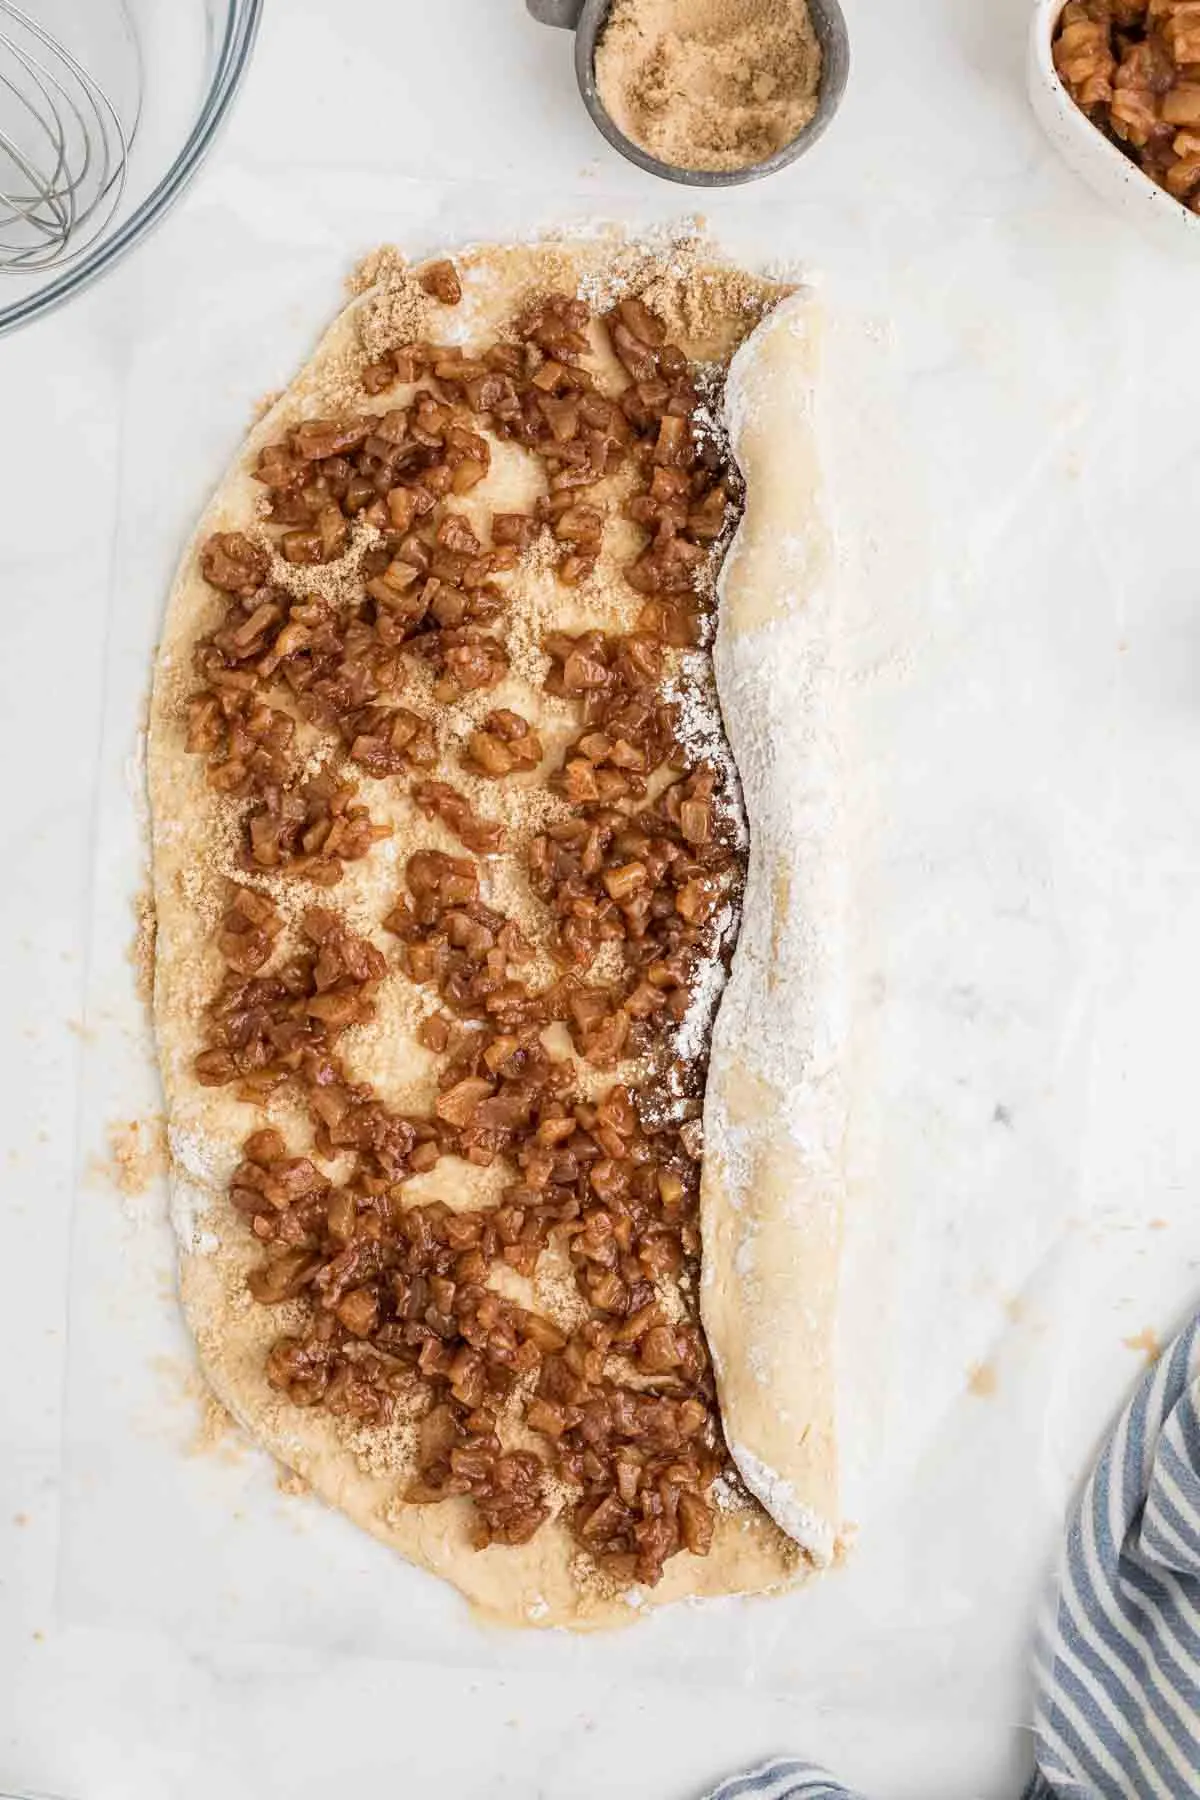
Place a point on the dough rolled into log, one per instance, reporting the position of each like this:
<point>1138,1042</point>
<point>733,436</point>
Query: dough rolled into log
<point>774,1119</point>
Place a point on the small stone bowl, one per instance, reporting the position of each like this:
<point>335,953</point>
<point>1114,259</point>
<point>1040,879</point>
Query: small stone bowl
<point>586,18</point>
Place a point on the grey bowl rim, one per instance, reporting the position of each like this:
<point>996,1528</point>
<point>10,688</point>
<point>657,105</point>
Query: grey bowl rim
<point>829,22</point>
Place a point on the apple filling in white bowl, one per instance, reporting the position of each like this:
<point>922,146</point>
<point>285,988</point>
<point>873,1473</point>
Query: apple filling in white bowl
<point>1116,85</point>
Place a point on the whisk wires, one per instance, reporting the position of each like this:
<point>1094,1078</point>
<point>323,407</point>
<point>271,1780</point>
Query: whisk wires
<point>63,148</point>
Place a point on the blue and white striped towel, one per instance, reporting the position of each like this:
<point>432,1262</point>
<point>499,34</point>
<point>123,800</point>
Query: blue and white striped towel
<point>1117,1663</point>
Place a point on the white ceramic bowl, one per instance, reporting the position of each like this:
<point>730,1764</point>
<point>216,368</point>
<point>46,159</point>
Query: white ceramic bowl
<point>1106,170</point>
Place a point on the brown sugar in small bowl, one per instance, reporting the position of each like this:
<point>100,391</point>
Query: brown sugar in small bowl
<point>587,19</point>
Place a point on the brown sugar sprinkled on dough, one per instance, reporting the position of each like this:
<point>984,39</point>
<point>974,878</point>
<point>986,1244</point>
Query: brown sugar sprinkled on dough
<point>382,1450</point>
<point>337,582</point>
<point>397,310</point>
<point>384,266</point>
<point>393,313</point>
<point>710,84</point>
<point>702,306</point>
<point>141,950</point>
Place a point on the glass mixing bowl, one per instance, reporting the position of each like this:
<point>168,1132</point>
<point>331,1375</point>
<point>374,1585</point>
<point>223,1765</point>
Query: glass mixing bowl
<point>170,69</point>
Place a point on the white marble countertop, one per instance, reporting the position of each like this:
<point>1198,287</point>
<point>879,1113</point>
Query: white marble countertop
<point>934,154</point>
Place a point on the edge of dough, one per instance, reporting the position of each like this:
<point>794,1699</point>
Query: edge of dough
<point>774,1119</point>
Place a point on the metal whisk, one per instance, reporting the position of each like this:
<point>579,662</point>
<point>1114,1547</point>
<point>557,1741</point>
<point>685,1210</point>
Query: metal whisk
<point>63,148</point>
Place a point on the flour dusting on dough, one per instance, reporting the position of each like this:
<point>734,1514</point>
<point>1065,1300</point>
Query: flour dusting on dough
<point>774,1112</point>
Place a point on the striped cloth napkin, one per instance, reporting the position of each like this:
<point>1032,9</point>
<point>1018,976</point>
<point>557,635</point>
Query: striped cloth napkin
<point>1117,1660</point>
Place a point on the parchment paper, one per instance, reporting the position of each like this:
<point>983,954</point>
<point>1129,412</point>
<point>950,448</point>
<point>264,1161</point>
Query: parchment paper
<point>1016,505</point>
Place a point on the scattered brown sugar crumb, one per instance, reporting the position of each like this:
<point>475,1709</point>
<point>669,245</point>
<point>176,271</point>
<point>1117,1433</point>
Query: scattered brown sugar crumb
<point>137,1155</point>
<point>710,84</point>
<point>981,1380</point>
<point>1146,1341</point>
